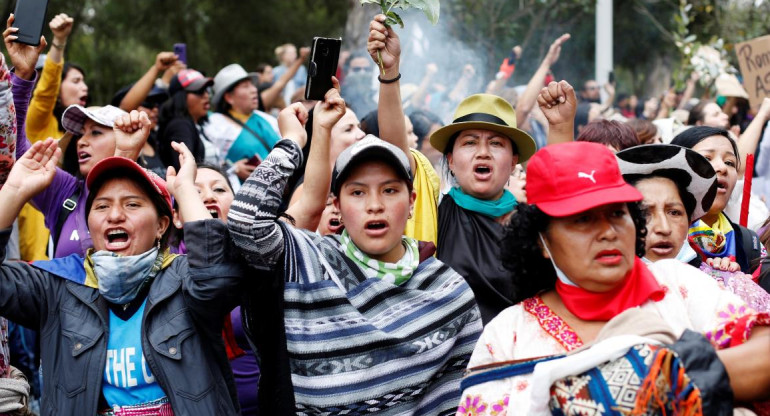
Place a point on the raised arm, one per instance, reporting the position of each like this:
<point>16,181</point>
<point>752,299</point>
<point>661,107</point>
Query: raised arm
<point>269,95</point>
<point>558,103</point>
<point>689,90</point>
<point>253,217</point>
<point>131,132</point>
<point>47,90</point>
<point>749,140</point>
<point>138,93</point>
<point>528,98</point>
<point>507,68</point>
<point>181,185</point>
<point>23,59</point>
<point>384,41</point>
<point>30,175</point>
<point>460,89</point>
<point>308,209</point>
<point>61,26</point>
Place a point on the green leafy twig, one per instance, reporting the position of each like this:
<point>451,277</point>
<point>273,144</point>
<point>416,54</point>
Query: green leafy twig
<point>430,8</point>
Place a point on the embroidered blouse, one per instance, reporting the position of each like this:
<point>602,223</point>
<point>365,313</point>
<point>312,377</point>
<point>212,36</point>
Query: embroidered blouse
<point>531,329</point>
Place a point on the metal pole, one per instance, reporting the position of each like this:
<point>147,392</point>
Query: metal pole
<point>604,59</point>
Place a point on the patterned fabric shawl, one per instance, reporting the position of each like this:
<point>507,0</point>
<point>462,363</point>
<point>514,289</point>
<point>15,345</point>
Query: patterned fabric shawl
<point>356,345</point>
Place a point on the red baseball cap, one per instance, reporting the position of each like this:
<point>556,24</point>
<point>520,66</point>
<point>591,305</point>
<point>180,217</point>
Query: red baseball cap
<point>569,178</point>
<point>117,162</point>
<point>189,80</point>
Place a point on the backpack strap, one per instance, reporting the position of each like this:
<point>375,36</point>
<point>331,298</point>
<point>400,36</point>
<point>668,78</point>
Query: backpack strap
<point>751,245</point>
<point>67,208</point>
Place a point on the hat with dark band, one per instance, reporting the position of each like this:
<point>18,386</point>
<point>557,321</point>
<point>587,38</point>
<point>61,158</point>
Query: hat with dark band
<point>685,167</point>
<point>485,112</point>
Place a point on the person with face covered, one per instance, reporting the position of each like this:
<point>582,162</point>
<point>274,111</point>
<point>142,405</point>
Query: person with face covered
<point>404,323</point>
<point>141,336</point>
<point>481,147</point>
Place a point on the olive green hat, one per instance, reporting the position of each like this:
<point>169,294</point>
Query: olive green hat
<point>485,112</point>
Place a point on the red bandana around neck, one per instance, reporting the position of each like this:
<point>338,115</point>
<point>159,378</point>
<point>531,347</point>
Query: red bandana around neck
<point>640,286</point>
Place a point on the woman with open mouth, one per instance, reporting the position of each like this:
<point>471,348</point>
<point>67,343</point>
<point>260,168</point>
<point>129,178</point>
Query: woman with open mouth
<point>367,323</point>
<point>93,134</point>
<point>679,186</point>
<point>57,85</point>
<point>133,329</point>
<point>217,195</point>
<point>481,148</point>
<point>716,235</point>
<point>575,250</point>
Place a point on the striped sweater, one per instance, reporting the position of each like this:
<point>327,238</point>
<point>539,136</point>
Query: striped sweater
<point>356,345</point>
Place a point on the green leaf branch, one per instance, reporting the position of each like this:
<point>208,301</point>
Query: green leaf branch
<point>430,8</point>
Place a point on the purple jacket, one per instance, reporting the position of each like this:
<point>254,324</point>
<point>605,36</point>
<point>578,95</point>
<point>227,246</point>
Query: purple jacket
<point>74,237</point>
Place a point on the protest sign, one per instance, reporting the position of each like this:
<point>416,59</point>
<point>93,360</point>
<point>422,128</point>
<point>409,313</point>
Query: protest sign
<point>754,60</point>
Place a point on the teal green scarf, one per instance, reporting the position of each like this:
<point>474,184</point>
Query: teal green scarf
<point>394,273</point>
<point>494,209</point>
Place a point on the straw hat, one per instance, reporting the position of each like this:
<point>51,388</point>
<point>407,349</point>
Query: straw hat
<point>485,112</point>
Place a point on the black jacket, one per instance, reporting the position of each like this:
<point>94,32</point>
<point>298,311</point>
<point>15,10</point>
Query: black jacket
<point>181,327</point>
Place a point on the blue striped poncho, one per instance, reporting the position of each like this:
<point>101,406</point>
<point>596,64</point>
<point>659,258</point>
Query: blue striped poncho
<point>356,345</point>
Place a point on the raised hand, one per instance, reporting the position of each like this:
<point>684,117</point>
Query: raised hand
<point>187,170</point>
<point>558,103</point>
<point>304,52</point>
<point>61,26</point>
<point>181,185</point>
<point>329,111</point>
<point>555,49</point>
<point>131,132</point>
<point>23,57</point>
<point>383,43</point>
<point>164,60</point>
<point>35,170</point>
<point>291,123</point>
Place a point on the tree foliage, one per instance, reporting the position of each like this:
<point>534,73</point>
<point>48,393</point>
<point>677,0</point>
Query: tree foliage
<point>116,40</point>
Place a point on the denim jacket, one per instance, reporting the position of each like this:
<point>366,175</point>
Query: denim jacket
<point>181,327</point>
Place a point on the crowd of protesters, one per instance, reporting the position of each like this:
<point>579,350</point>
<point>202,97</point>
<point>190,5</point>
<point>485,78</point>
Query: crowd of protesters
<point>221,245</point>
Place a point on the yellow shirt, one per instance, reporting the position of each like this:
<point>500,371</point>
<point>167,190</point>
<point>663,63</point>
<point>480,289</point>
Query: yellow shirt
<point>40,125</point>
<point>423,225</point>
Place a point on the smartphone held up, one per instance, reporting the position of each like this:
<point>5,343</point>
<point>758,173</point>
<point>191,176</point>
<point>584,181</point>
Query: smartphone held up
<point>29,18</point>
<point>324,56</point>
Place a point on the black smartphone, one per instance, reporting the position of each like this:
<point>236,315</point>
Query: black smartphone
<point>611,77</point>
<point>180,50</point>
<point>29,17</point>
<point>323,65</point>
